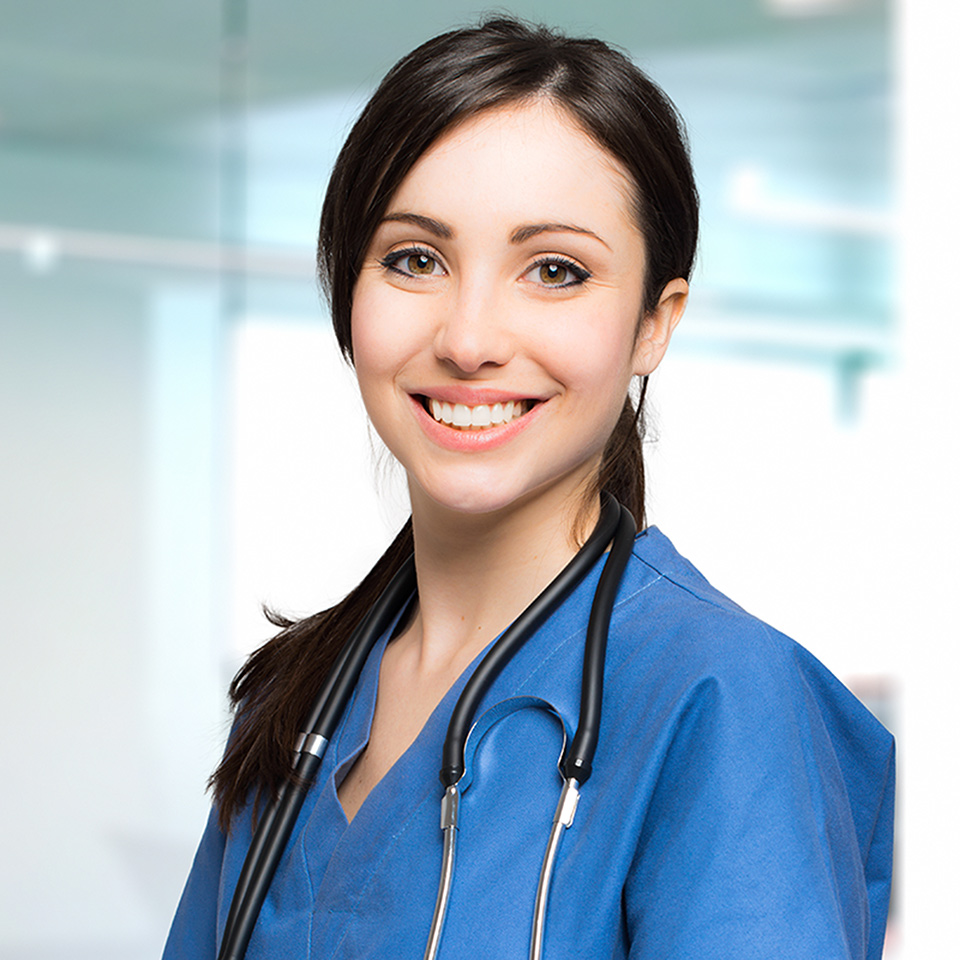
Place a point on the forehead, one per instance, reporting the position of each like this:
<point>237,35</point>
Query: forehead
<point>521,159</point>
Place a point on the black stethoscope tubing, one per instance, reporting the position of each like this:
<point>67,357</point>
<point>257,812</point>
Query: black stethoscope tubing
<point>277,823</point>
<point>275,826</point>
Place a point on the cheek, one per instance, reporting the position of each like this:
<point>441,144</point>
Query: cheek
<point>598,357</point>
<point>373,346</point>
<point>363,319</point>
<point>380,332</point>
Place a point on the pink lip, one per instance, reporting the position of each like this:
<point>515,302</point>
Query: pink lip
<point>471,440</point>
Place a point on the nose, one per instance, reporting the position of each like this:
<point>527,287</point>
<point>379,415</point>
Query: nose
<point>473,329</point>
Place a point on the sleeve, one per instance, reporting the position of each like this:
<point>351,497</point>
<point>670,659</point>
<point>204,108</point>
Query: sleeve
<point>768,832</point>
<point>193,935</point>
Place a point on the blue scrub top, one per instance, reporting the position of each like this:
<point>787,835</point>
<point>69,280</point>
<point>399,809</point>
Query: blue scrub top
<point>741,806</point>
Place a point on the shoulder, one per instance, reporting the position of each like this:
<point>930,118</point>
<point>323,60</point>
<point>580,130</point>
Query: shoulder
<point>676,632</point>
<point>662,582</point>
<point>762,787</point>
<point>665,599</point>
<point>666,605</point>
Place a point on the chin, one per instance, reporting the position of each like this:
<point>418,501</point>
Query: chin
<point>492,493</point>
<point>472,502</point>
<point>470,492</point>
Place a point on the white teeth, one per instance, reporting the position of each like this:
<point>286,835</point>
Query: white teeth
<point>479,417</point>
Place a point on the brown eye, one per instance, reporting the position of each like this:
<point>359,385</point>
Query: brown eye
<point>553,274</point>
<point>557,272</point>
<point>420,264</point>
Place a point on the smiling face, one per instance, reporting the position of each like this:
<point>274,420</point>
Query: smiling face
<point>495,318</point>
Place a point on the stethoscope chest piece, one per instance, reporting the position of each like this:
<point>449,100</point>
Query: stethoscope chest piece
<point>452,796</point>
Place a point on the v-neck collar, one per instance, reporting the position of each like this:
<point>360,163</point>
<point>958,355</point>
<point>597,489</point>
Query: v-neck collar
<point>358,722</point>
<point>414,776</point>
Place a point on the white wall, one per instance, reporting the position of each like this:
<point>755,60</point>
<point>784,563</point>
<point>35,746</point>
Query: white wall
<point>925,448</point>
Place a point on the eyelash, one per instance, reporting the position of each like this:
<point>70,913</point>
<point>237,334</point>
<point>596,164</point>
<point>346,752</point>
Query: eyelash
<point>580,275</point>
<point>390,261</point>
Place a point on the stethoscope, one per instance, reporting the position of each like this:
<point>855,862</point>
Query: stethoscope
<point>274,829</point>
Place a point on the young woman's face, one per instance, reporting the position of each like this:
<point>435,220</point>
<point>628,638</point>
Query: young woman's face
<point>496,315</point>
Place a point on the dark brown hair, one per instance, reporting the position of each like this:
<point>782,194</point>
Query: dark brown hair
<point>443,82</point>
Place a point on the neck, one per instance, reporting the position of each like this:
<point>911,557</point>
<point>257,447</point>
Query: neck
<point>476,573</point>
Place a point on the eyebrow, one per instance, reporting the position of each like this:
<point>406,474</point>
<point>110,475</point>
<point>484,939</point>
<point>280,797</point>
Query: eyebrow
<point>435,227</point>
<point>520,235</point>
<point>524,233</point>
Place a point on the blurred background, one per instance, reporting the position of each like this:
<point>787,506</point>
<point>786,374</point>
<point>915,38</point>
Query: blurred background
<point>180,441</point>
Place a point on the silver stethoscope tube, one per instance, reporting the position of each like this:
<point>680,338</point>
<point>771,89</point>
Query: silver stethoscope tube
<point>562,820</point>
<point>277,824</point>
<point>449,824</point>
<point>449,817</point>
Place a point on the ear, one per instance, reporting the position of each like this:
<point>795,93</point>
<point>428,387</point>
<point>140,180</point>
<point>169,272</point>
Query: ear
<point>657,327</point>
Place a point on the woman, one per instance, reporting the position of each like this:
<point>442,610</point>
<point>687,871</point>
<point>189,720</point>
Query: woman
<point>506,243</point>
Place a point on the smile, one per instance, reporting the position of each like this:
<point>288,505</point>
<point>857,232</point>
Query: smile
<point>481,417</point>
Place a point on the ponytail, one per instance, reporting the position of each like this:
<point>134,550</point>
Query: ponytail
<point>274,690</point>
<point>621,467</point>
